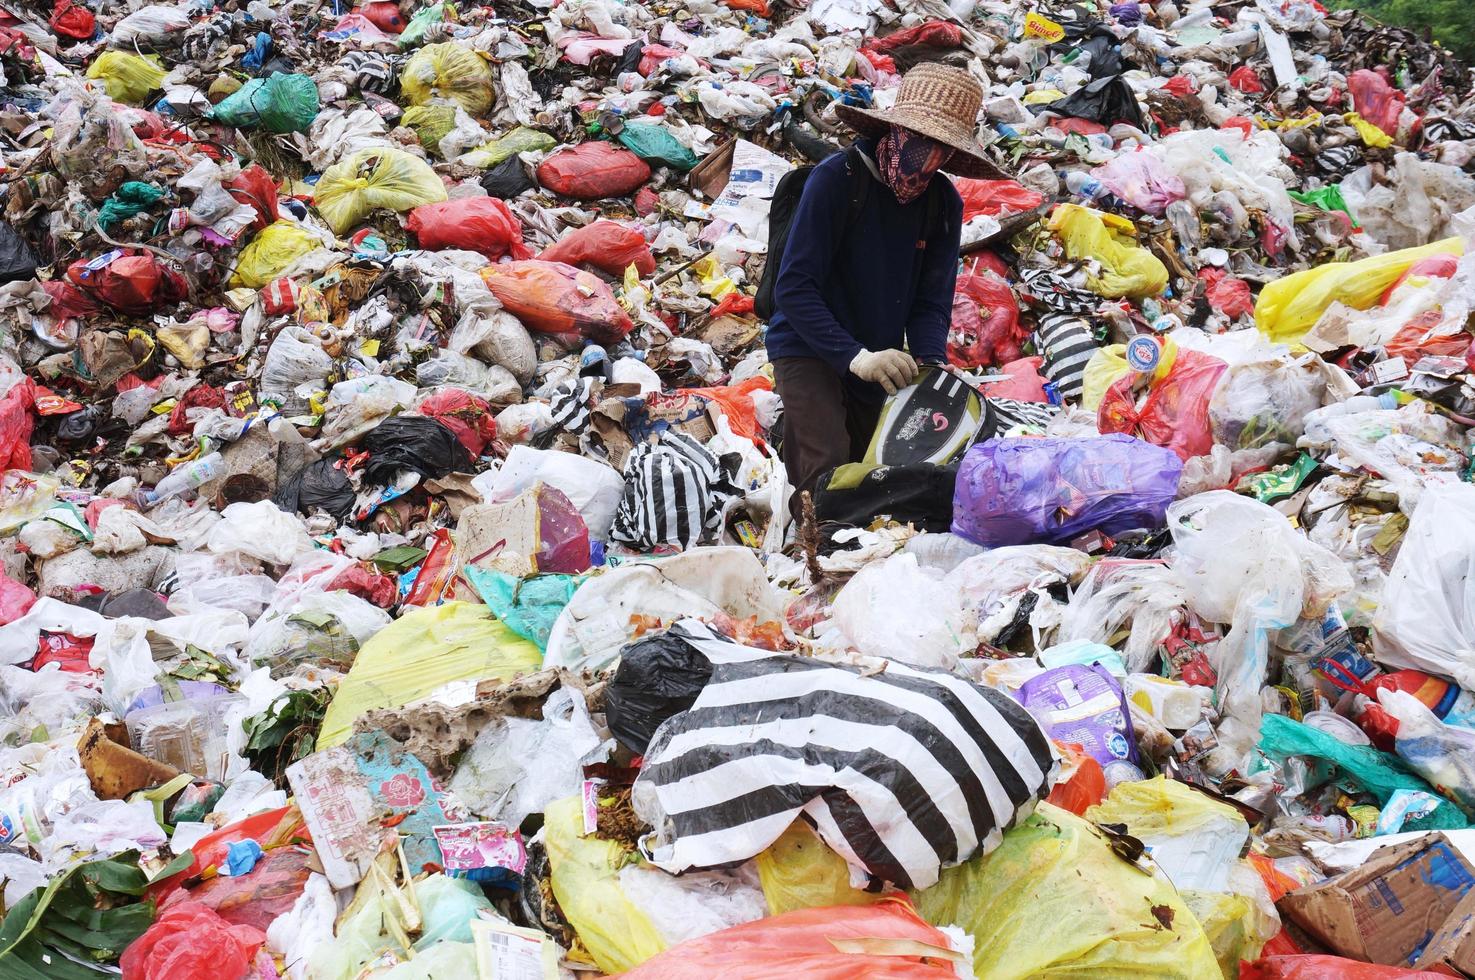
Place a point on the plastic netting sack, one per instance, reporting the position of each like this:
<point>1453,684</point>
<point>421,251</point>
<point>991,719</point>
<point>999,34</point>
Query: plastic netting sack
<point>448,71</point>
<point>376,177</point>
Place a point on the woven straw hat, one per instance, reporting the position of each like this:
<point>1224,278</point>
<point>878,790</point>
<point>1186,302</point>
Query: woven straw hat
<point>936,101</point>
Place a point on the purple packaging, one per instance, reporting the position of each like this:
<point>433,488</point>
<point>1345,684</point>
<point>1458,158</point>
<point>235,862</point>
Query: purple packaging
<point>1085,706</point>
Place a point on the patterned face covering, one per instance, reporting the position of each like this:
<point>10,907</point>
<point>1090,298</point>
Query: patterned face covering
<point>907,161</point>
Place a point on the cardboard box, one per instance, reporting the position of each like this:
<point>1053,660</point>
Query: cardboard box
<point>1388,910</point>
<point>1452,950</point>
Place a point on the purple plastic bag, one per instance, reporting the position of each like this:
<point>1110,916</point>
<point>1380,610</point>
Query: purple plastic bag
<point>1049,491</point>
<point>1084,706</point>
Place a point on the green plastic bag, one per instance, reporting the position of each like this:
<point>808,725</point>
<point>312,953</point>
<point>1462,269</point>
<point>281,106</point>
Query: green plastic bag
<point>528,606</point>
<point>414,32</point>
<point>655,144</point>
<point>1327,198</point>
<point>520,140</point>
<point>1377,772</point>
<point>1054,900</point>
<point>431,123</point>
<point>279,104</point>
<point>128,200</point>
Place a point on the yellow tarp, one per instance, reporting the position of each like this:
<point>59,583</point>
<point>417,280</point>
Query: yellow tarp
<point>421,651</point>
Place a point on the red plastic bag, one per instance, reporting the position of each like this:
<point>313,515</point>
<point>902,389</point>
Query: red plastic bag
<point>435,578</point>
<point>933,34</point>
<point>815,944</point>
<point>652,55</point>
<point>469,416</point>
<point>16,422</point>
<point>191,942</point>
<point>1375,100</point>
<point>1175,413</point>
<point>759,7</point>
<point>593,170</point>
<point>128,280</point>
<point>1416,338</point>
<point>72,654</point>
<point>478,224</point>
<point>995,197</point>
<point>551,297</point>
<point>368,584</point>
<point>1246,79</point>
<point>268,829</point>
<point>255,188</point>
<point>1317,967</point>
<point>1086,785</point>
<point>72,19</point>
<point>15,600</point>
<point>985,325</point>
<point>256,899</point>
<point>607,245</point>
<point>200,396</point>
<point>1232,297</point>
<point>385,15</point>
<point>1025,384</point>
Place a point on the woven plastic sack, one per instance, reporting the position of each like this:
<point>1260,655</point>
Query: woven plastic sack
<point>1054,900</point>
<point>272,252</point>
<point>593,170</point>
<point>279,104</point>
<point>479,224</point>
<point>1022,491</point>
<point>1291,305</point>
<point>448,71</point>
<point>550,297</point>
<point>607,245</point>
<point>1126,269</point>
<point>375,177</point>
<point>126,77</point>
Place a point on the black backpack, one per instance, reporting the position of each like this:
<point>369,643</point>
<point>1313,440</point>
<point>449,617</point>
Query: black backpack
<point>786,201</point>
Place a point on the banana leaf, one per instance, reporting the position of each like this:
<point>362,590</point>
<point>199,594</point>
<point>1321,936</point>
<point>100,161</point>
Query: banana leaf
<point>81,920</point>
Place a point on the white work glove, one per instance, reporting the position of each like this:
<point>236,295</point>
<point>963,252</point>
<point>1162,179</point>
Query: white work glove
<point>891,369</point>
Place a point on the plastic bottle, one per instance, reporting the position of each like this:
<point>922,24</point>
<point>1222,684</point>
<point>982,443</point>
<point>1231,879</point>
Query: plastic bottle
<point>1083,185</point>
<point>190,476</point>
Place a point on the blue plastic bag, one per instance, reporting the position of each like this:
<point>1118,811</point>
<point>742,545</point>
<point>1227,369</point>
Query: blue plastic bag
<point>1049,491</point>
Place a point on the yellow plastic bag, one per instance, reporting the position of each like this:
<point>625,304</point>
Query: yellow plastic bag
<point>799,871</point>
<point>586,882</point>
<point>376,177</point>
<point>1226,921</point>
<point>1054,900</point>
<point>1371,135</point>
<point>423,650</point>
<point>127,77</point>
<point>1291,305</point>
<point>448,71</point>
<point>1111,240</point>
<point>1160,807</point>
<point>272,252</point>
<point>519,140</point>
<point>1102,371</point>
<point>430,122</point>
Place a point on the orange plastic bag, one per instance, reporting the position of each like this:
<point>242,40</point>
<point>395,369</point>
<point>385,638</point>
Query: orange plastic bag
<point>191,942</point>
<point>995,197</point>
<point>1318,967</point>
<point>1422,336</point>
<point>479,224</point>
<point>551,297</point>
<point>885,941</point>
<point>1175,413</point>
<point>593,170</point>
<point>267,829</point>
<point>1082,784</point>
<point>607,245</point>
<point>736,402</point>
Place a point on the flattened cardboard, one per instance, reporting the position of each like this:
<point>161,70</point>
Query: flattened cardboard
<point>1453,948</point>
<point>1388,910</point>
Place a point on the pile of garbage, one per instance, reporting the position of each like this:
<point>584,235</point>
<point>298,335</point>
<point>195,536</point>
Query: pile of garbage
<point>400,579</point>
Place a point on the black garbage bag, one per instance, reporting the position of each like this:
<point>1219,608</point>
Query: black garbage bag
<point>1105,101</point>
<point>659,675</point>
<point>412,442</point>
<point>322,485</point>
<point>856,494</point>
<point>507,179</point>
<point>629,58</point>
<point>17,261</point>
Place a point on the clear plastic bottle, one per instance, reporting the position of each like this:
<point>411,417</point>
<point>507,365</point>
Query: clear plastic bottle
<point>1083,185</point>
<point>190,476</point>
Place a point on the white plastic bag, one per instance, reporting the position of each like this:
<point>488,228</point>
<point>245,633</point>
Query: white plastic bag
<point>898,610</point>
<point>1426,618</point>
<point>261,530</point>
<point>1442,754</point>
<point>591,486</point>
<point>1146,595</point>
<point>295,358</point>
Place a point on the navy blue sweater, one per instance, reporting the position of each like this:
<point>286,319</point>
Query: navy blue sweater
<point>839,292</point>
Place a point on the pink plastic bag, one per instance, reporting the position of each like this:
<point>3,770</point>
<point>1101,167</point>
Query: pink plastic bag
<point>478,224</point>
<point>1375,100</point>
<point>1142,180</point>
<point>15,600</point>
<point>1025,384</point>
<point>1175,413</point>
<point>16,422</point>
<point>985,326</point>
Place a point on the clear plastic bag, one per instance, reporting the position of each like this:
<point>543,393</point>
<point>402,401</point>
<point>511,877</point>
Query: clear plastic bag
<point>899,610</point>
<point>295,358</point>
<point>1265,401</point>
<point>261,530</point>
<point>1145,596</point>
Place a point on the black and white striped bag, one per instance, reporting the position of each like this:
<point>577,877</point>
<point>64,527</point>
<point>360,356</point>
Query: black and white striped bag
<point>1044,287</point>
<point>903,772</point>
<point>372,72</point>
<point>1009,412</point>
<point>1067,344</point>
<point>675,491</point>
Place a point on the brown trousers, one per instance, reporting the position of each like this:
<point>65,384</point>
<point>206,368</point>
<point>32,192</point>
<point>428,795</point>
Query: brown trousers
<point>824,424</point>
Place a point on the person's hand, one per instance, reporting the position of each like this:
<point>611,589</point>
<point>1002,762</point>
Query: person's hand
<point>891,369</point>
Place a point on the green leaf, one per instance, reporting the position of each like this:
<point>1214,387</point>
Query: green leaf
<point>180,863</point>
<point>85,912</point>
